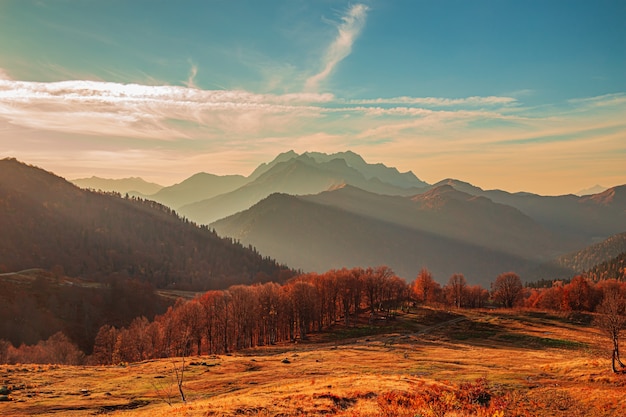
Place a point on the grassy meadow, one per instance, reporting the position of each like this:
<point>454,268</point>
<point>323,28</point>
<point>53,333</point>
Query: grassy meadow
<point>423,363</point>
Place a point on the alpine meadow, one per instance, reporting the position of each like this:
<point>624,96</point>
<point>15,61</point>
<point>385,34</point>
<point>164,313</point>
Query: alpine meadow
<point>312,208</point>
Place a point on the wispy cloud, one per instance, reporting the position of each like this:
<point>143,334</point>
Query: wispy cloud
<point>348,30</point>
<point>601,101</point>
<point>439,102</point>
<point>191,79</point>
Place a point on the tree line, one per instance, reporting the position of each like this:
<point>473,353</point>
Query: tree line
<point>245,316</point>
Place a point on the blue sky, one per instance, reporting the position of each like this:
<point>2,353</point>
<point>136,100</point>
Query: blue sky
<point>517,95</point>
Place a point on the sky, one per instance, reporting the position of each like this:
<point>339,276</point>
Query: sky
<point>517,95</point>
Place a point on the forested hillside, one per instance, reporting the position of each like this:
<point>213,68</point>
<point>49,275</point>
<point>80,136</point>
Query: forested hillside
<point>48,223</point>
<point>593,255</point>
<point>613,268</point>
<point>36,304</point>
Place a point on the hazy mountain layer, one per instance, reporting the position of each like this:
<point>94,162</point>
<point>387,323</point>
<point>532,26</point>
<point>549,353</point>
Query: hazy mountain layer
<point>317,236</point>
<point>123,186</point>
<point>586,219</point>
<point>198,187</point>
<point>444,211</point>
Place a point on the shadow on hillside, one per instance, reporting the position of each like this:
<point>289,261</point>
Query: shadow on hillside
<point>489,334</point>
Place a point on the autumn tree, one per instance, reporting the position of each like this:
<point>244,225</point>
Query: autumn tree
<point>59,349</point>
<point>579,294</point>
<point>269,299</point>
<point>395,293</point>
<point>304,302</point>
<point>4,350</point>
<point>477,296</point>
<point>507,289</point>
<point>244,314</point>
<point>349,285</point>
<point>104,345</point>
<point>456,290</point>
<point>189,319</point>
<point>612,320</point>
<point>425,289</point>
<point>328,292</point>
<point>208,303</point>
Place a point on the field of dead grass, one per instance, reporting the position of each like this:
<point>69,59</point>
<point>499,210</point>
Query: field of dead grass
<point>520,363</point>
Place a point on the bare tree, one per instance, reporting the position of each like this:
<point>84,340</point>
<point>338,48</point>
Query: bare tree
<point>180,375</point>
<point>507,290</point>
<point>612,320</point>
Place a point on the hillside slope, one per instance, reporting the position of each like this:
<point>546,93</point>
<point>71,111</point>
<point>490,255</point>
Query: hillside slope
<point>595,254</point>
<point>47,222</point>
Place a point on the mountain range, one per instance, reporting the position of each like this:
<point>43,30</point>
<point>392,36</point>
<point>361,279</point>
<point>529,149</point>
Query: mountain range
<point>318,211</point>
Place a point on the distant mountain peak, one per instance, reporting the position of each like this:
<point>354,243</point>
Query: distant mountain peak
<point>455,183</point>
<point>377,171</point>
<point>596,189</point>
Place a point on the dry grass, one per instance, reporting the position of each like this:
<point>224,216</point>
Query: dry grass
<point>543,364</point>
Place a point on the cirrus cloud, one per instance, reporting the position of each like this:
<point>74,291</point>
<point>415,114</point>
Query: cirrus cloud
<point>347,31</point>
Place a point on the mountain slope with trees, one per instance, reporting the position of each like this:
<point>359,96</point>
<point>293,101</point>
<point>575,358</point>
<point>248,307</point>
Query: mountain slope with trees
<point>614,268</point>
<point>595,254</point>
<point>48,223</point>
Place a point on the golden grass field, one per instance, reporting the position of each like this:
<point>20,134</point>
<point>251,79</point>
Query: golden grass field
<point>548,364</point>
